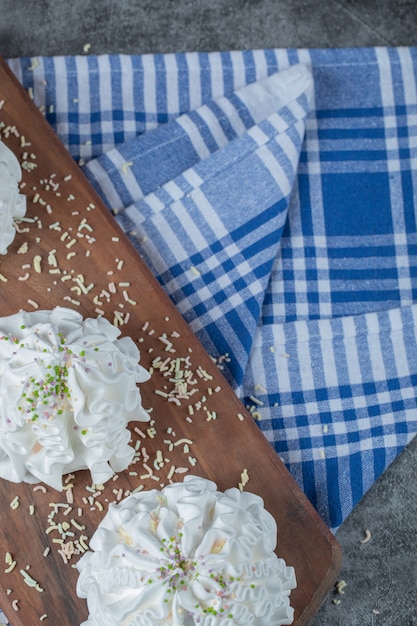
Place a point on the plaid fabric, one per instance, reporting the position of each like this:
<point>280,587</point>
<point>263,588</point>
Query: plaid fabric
<point>279,213</point>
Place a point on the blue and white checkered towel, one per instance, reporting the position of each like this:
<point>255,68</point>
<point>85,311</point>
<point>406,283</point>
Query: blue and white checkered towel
<point>274,195</point>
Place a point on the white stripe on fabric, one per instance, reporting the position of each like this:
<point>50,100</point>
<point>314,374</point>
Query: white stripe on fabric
<point>328,364</point>
<point>193,178</point>
<point>149,83</point>
<point>282,58</point>
<point>213,123</point>
<point>84,95</point>
<point>261,67</point>
<point>259,137</point>
<point>17,69</point>
<point>195,136</point>
<point>176,249</point>
<point>39,85</point>
<point>154,203</point>
<point>136,218</point>
<point>195,91</point>
<point>105,87</point>
<point>278,122</point>
<point>288,147</point>
<point>399,349</point>
<point>107,187</point>
<point>172,83</point>
<point>233,117</point>
<point>409,78</point>
<point>128,103</point>
<point>61,95</point>
<point>211,216</point>
<point>306,370</point>
<point>351,351</point>
<point>190,226</point>
<point>174,191</point>
<point>275,169</point>
<point>239,69</point>
<point>126,172</point>
<point>216,75</point>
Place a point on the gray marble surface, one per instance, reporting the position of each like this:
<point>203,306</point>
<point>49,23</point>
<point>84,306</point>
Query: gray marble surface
<point>380,575</point>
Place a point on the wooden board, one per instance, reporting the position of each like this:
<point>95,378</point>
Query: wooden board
<point>70,218</point>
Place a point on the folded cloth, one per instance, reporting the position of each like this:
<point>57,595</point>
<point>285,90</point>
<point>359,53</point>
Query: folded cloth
<point>273,194</point>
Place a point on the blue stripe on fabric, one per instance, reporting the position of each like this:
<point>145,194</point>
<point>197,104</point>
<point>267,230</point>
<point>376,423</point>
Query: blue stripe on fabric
<point>368,295</point>
<point>286,115</point>
<point>235,370</point>
<point>294,56</point>
<point>349,155</point>
<point>242,111</point>
<point>308,470</point>
<point>51,115</point>
<point>27,74</point>
<point>224,122</point>
<point>205,131</point>
<point>333,495</point>
<point>94,78</point>
<point>250,66</point>
<point>355,463</point>
<point>72,89</point>
<point>403,132</point>
<point>228,72</point>
<point>96,116</point>
<point>137,89</point>
<point>271,60</point>
<point>408,186</point>
<point>369,112</point>
<point>241,330</point>
<point>362,274</point>
<point>351,133</point>
<point>323,57</point>
<point>161,89</point>
<point>205,86</point>
<point>379,464</point>
<point>117,112</point>
<point>183,83</point>
<point>259,220</point>
<point>396,74</point>
<point>352,252</point>
<point>304,192</point>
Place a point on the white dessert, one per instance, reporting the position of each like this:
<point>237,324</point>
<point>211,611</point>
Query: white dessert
<point>68,388</point>
<point>12,202</point>
<point>187,555</point>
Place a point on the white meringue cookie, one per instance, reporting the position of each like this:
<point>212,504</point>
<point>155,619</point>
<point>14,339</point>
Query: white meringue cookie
<point>187,555</point>
<point>68,388</point>
<point>12,203</point>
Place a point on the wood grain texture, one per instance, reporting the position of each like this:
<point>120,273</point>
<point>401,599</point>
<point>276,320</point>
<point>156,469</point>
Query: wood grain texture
<point>71,218</point>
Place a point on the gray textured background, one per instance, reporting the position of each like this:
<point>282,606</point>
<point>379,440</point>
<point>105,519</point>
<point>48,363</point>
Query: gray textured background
<point>381,575</point>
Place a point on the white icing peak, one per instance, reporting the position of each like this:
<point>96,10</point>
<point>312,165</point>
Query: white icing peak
<point>187,555</point>
<point>68,388</point>
<point>12,203</point>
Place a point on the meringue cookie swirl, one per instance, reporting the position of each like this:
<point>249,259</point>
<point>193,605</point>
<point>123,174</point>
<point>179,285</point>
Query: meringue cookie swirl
<point>187,555</point>
<point>68,388</point>
<point>12,203</point>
